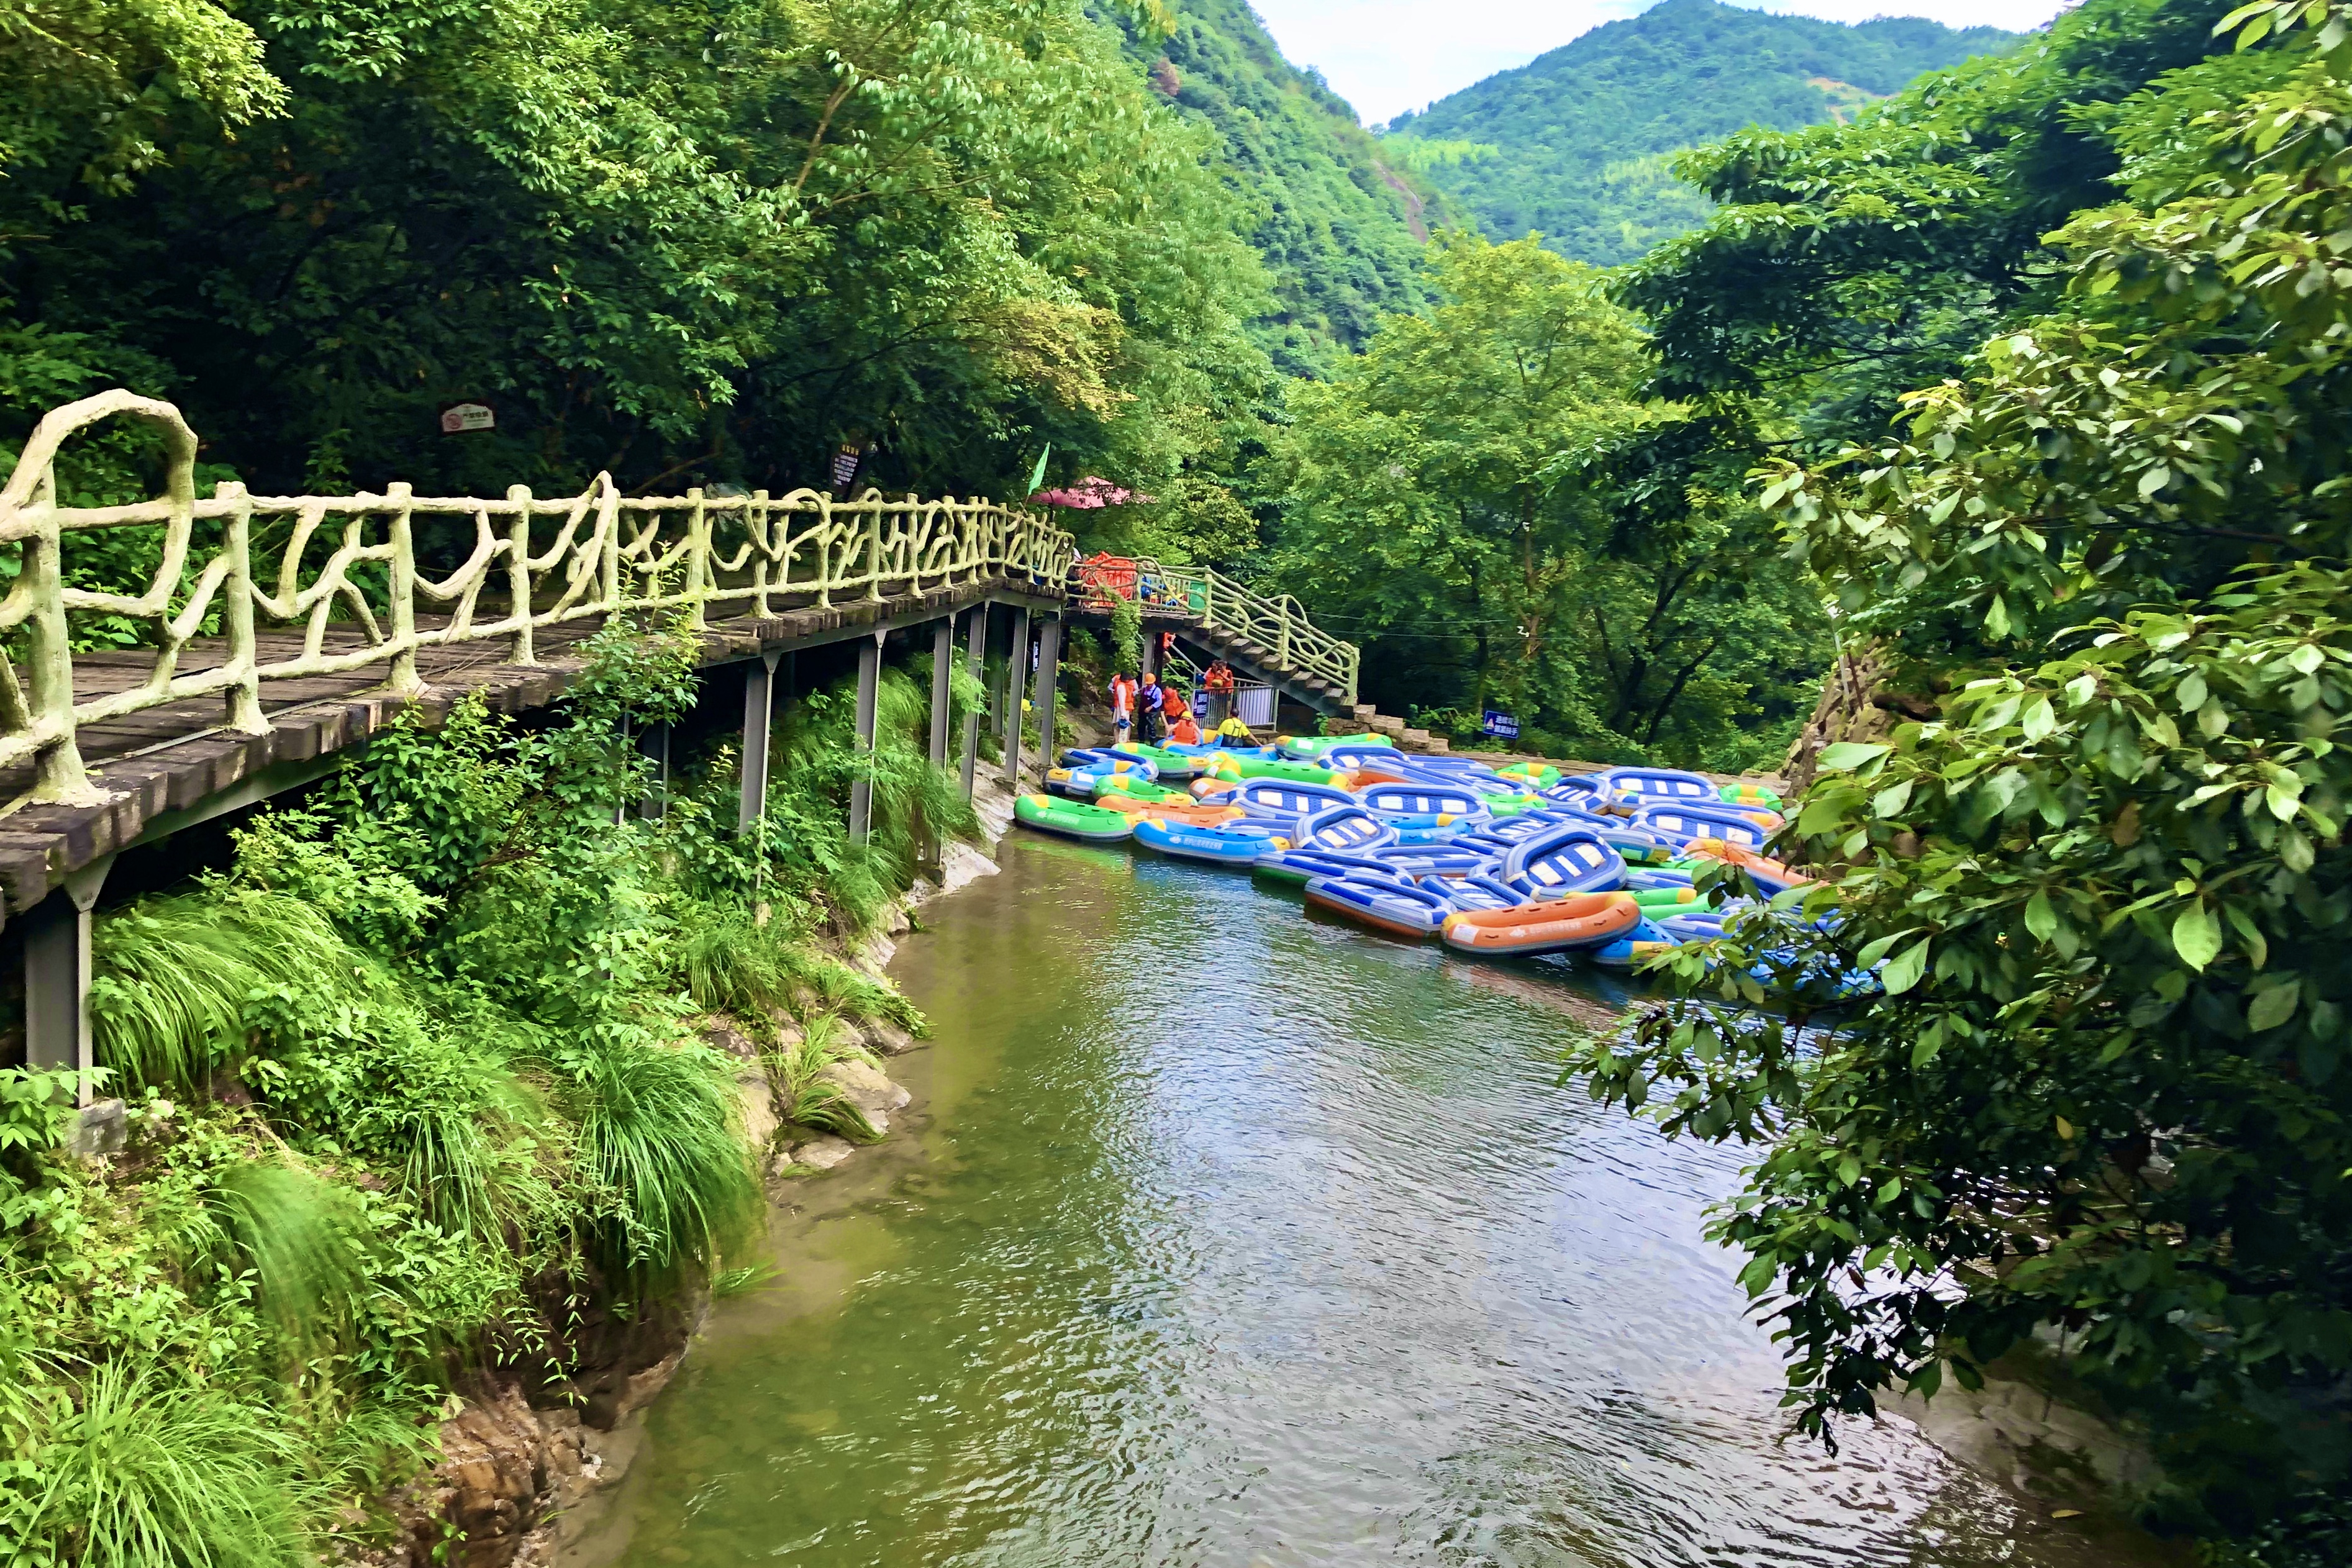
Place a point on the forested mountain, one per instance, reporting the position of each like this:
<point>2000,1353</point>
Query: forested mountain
<point>1329,220</point>
<point>1576,142</point>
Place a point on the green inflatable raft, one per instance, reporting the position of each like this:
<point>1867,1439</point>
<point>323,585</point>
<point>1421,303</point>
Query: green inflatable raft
<point>1072,819</point>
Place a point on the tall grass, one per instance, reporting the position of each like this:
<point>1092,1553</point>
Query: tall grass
<point>152,1470</point>
<point>661,1128</point>
<point>296,1238</point>
<point>172,979</point>
<point>811,1101</point>
<point>731,964</point>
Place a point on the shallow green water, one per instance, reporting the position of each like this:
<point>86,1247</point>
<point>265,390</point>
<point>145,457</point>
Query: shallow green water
<point>1227,1235</point>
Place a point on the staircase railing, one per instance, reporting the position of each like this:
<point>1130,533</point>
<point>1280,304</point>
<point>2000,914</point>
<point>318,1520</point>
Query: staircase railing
<point>352,561</point>
<point>1277,623</point>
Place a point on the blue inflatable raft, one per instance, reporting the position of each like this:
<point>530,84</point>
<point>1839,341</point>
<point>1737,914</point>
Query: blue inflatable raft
<point>1568,859</point>
<point>1227,844</point>
<point>1348,829</point>
<point>1679,824</point>
<point>1395,905</point>
<point>1281,801</point>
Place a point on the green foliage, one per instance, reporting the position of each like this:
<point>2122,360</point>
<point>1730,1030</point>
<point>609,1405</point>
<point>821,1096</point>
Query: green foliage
<point>2100,866</point>
<point>811,1101</point>
<point>148,1470</point>
<point>661,1127</point>
<point>1574,142</point>
<point>1481,500</point>
<point>1327,211</point>
<point>721,240</point>
<point>1126,635</point>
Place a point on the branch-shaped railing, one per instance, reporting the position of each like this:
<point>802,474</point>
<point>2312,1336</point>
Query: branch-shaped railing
<point>351,562</point>
<point>1277,624</point>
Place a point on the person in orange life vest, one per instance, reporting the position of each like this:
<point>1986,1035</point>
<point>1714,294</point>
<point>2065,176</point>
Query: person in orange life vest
<point>1123,693</point>
<point>1185,733</point>
<point>1173,704</point>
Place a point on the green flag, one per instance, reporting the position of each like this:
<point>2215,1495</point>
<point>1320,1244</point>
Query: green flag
<point>1037,474</point>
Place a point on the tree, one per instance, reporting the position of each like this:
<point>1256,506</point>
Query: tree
<point>1483,491</point>
<point>2106,884</point>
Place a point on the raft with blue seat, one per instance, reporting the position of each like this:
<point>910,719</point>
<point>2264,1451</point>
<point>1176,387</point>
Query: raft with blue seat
<point>1568,859</point>
<point>1431,860</point>
<point>1396,905</point>
<point>1306,865</point>
<point>1238,844</point>
<point>1173,766</point>
<point>1070,819</point>
<point>1287,800</point>
<point>1545,925</point>
<point>1417,798</point>
<point>1635,784</point>
<point>1678,825</point>
<point>1355,757</point>
<point>1348,829</point>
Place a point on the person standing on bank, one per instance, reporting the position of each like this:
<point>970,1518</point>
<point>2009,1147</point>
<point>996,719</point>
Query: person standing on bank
<point>1123,691</point>
<point>1147,711</point>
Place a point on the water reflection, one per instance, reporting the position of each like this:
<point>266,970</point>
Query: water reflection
<point>1232,1237</point>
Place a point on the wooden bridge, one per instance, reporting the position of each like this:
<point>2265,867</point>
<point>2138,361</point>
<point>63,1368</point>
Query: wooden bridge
<point>277,632</point>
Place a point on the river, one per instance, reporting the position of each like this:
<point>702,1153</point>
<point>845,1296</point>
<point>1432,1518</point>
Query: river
<point>1219,1235</point>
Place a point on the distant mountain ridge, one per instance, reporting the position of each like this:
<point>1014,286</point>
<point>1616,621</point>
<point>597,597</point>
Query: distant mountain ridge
<point>1577,141</point>
<point>1339,232</point>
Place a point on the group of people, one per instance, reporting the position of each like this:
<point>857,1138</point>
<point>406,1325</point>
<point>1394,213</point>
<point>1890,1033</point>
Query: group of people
<point>1150,711</point>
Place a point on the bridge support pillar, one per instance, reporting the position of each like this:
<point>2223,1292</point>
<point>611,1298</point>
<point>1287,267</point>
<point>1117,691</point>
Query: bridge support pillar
<point>759,713</point>
<point>974,661</point>
<point>861,788</point>
<point>1016,677</point>
<point>942,659</point>
<point>1049,691</point>
<point>56,938</point>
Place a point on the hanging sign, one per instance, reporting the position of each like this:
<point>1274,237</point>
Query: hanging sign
<point>460,417</point>
<point>845,465</point>
<point>1500,725</point>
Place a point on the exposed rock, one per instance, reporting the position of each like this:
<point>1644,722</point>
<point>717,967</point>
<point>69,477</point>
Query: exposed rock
<point>723,1035</point>
<point>821,1153</point>
<point>759,1119</point>
<point>888,1038</point>
<point>503,1467</point>
<point>865,1087</point>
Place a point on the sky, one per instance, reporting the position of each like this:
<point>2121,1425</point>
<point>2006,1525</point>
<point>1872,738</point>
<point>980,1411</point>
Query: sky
<point>1388,56</point>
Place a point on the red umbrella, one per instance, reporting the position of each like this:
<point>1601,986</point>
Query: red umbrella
<point>1090,494</point>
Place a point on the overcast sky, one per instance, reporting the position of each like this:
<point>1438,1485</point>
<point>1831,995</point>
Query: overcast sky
<point>1388,56</point>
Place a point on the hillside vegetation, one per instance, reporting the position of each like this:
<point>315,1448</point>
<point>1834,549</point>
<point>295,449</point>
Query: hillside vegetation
<point>1574,137</point>
<point>1325,216</point>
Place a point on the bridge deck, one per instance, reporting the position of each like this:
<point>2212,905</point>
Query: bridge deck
<point>171,762</point>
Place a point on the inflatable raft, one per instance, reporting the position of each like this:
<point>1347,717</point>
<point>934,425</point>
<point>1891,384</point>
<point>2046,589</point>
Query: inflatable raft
<point>1397,906</point>
<point>1678,825</point>
<point>1549,926</point>
<point>1238,844</point>
<point>1348,829</point>
<point>1071,820</point>
<point>1306,865</point>
<point>1566,860</point>
<point>1285,800</point>
<point>1768,875</point>
<point>1430,860</point>
<point>1173,766</point>
<point>1635,784</point>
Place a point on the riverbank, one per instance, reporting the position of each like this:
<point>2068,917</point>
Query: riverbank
<point>519,1476</point>
<point>1152,1278</point>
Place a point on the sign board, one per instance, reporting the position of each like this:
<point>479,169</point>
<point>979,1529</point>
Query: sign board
<point>1500,725</point>
<point>845,465</point>
<point>460,417</point>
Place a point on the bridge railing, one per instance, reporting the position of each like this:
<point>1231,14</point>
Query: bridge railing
<point>350,562</point>
<point>1277,623</point>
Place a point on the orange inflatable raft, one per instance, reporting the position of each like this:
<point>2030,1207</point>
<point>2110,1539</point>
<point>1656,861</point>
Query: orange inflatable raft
<point>1547,925</point>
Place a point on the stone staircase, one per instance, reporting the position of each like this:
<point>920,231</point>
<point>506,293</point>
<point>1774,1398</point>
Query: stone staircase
<point>1406,739</point>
